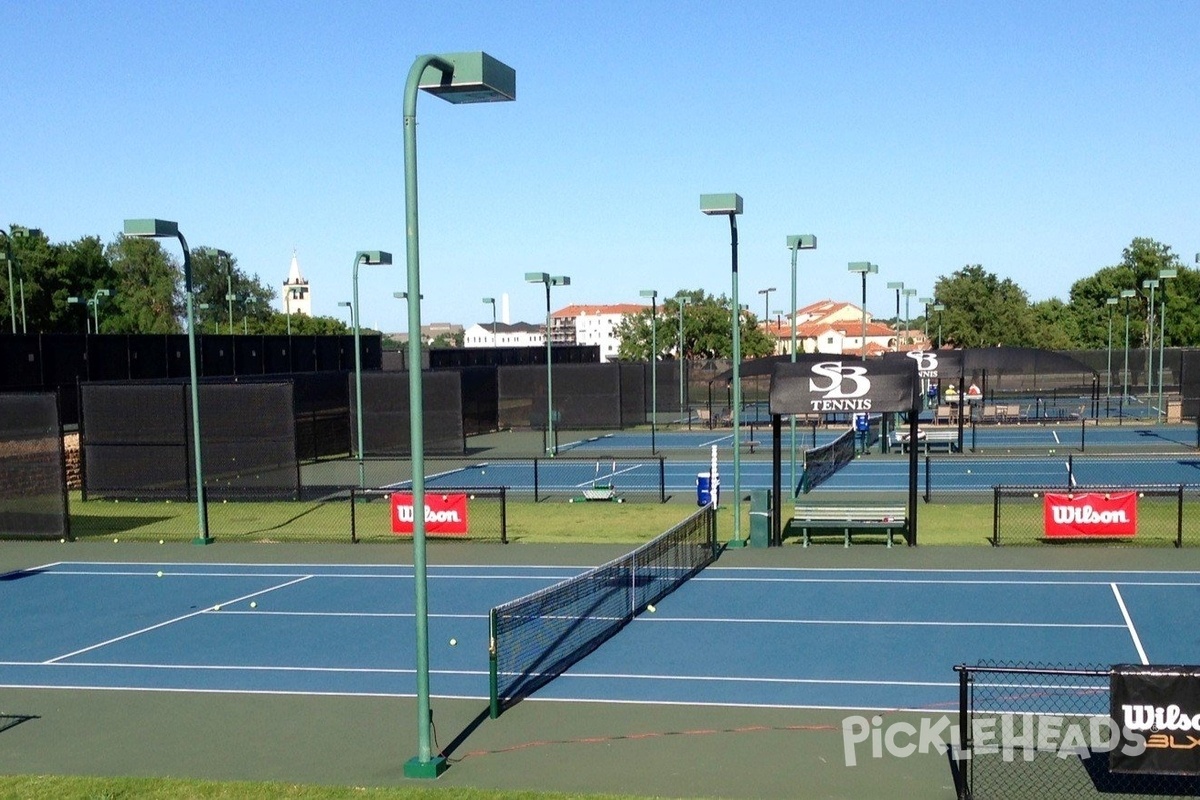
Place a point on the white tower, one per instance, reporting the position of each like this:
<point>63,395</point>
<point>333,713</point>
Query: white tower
<point>295,298</point>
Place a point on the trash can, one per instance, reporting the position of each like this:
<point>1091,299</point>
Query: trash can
<point>705,492</point>
<point>760,518</point>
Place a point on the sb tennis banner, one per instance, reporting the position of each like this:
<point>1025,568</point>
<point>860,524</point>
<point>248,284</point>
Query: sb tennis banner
<point>1158,711</point>
<point>1090,514</point>
<point>445,514</point>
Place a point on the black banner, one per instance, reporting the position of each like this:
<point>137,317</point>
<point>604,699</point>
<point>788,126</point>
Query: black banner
<point>845,385</point>
<point>1160,707</point>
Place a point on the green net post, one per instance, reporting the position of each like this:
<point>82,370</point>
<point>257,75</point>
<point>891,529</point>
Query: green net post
<point>493,678</point>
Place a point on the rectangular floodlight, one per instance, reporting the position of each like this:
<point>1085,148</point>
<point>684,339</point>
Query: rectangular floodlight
<point>721,204</point>
<point>151,227</point>
<point>477,78</point>
<point>804,241</point>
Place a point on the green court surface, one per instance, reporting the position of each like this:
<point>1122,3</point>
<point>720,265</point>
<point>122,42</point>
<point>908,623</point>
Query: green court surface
<point>579,748</point>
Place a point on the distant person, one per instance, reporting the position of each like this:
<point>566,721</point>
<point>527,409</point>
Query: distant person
<point>952,394</point>
<point>973,393</point>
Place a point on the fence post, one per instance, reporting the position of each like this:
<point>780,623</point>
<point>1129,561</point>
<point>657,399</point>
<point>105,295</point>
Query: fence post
<point>995,516</point>
<point>662,479</point>
<point>503,515</point>
<point>960,760</point>
<point>1179,516</point>
<point>536,497</point>
<point>353,525</point>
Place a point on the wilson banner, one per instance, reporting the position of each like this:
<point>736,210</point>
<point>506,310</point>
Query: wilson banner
<point>445,514</point>
<point>1090,514</point>
<point>1158,711</point>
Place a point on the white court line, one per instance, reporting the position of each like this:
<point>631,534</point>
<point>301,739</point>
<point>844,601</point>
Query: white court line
<point>939,581</point>
<point>882,623</point>
<point>170,622</point>
<point>1137,642</point>
<point>716,441</point>
<point>610,475</point>
<point>1055,435</point>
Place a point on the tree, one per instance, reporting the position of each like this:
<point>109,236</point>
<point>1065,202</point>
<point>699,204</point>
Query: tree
<point>708,330</point>
<point>212,277</point>
<point>148,295</point>
<point>983,311</point>
<point>448,340</point>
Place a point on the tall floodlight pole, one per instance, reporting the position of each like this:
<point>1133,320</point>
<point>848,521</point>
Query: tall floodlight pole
<point>1151,284</point>
<point>766,293</point>
<point>1163,276</point>
<point>95,304</point>
<point>682,300</point>
<point>287,301</point>
<point>371,258</point>
<point>927,302</point>
<point>796,243</point>
<point>165,229</point>
<point>7,255</point>
<point>730,205</point>
<point>492,300</point>
<point>939,308</point>
<point>909,294</point>
<point>865,268</point>
<point>549,280</point>
<point>1109,302</point>
<point>458,78</point>
<point>653,295</point>
<point>219,256</point>
<point>1125,295</point>
<point>899,287</point>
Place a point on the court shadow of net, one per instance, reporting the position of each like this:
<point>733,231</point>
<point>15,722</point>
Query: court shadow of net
<point>13,720</point>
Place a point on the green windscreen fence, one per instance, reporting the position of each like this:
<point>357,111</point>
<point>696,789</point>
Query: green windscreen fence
<point>33,492</point>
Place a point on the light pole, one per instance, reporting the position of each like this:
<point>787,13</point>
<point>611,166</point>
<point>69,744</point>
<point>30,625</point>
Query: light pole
<point>908,295</point>
<point>87,323</point>
<point>1151,284</point>
<point>899,287</point>
<point>247,301</point>
<point>492,300</point>
<point>1125,295</point>
<point>1110,302</point>
<point>1163,276</point>
<point>766,293</point>
<point>218,256</point>
<point>730,205</point>
<point>372,258</point>
<point>927,302</point>
<point>549,280</point>
<point>939,308</point>
<point>796,243</point>
<point>158,229</point>
<point>288,294</point>
<point>865,268</point>
<point>458,78</point>
<point>653,295</point>
<point>682,300</point>
<point>95,304</point>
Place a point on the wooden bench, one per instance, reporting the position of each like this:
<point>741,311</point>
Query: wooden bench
<point>928,438</point>
<point>845,519</point>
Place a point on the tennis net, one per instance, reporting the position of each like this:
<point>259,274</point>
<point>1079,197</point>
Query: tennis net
<point>535,638</point>
<point>821,462</point>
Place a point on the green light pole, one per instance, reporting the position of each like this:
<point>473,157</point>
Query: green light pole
<point>372,258</point>
<point>95,304</point>
<point>682,300</point>
<point>939,308</point>
<point>1151,284</point>
<point>549,280</point>
<point>653,295</point>
<point>1163,276</point>
<point>730,205</point>
<point>7,255</point>
<point>866,268</point>
<point>1109,302</point>
<point>766,293</point>
<point>899,287</point>
<point>219,256</point>
<point>927,302</point>
<point>1125,295</point>
<point>87,323</point>
<point>288,294</point>
<point>457,78</point>
<point>160,229</point>
<point>909,294</point>
<point>247,301</point>
<point>492,300</point>
<point>796,243</point>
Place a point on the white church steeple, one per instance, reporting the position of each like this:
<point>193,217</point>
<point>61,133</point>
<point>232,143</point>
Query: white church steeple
<point>295,298</point>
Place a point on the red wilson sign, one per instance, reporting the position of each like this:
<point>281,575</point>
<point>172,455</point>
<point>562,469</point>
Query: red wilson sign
<point>1091,514</point>
<point>445,514</point>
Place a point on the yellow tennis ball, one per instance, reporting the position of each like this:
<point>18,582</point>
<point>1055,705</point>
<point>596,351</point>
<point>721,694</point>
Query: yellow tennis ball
<point>115,540</point>
<point>160,573</point>
<point>453,642</point>
<point>651,609</point>
<point>216,608</point>
<point>253,604</point>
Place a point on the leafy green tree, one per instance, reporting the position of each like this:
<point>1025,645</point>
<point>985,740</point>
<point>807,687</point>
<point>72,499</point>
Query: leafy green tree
<point>40,269</point>
<point>708,330</point>
<point>214,277</point>
<point>984,311</point>
<point>448,340</point>
<point>1055,325</point>
<point>148,295</point>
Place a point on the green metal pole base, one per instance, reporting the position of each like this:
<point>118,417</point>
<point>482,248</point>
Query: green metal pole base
<point>734,544</point>
<point>203,540</point>
<point>433,768</point>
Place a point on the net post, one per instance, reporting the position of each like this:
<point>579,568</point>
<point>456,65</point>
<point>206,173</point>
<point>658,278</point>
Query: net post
<point>493,674</point>
<point>1083,435</point>
<point>536,498</point>
<point>1179,516</point>
<point>662,479</point>
<point>353,529</point>
<point>995,516</point>
<point>503,515</point>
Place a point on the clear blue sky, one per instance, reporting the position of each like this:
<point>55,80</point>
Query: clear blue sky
<point>1034,138</point>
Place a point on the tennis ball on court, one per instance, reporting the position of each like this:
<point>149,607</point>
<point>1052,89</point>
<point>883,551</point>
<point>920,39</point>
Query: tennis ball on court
<point>651,609</point>
<point>253,604</point>
<point>160,541</point>
<point>968,472</point>
<point>453,642</point>
<point>116,540</point>
<point>160,573</point>
<point>62,541</point>
<point>216,608</point>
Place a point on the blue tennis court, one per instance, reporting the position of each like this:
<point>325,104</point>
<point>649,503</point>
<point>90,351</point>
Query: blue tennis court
<point>803,638</point>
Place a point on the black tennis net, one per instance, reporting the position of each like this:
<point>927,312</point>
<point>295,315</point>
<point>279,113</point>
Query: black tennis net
<point>535,638</point>
<point>821,462</point>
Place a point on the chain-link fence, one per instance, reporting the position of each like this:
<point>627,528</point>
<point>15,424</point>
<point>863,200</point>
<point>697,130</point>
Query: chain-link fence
<point>1145,516</point>
<point>1031,732</point>
<point>479,514</point>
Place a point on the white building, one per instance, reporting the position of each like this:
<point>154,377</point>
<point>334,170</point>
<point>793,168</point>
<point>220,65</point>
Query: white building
<point>592,325</point>
<point>295,298</point>
<point>515,334</point>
